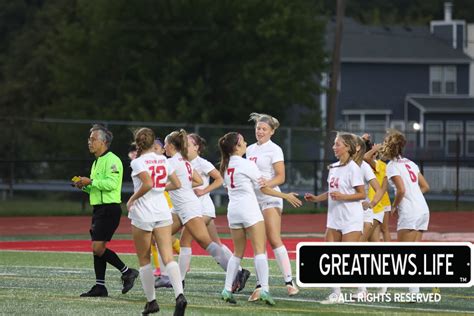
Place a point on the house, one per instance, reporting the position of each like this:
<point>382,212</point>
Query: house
<point>418,79</point>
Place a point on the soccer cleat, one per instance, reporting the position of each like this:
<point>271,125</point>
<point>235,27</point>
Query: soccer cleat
<point>255,295</point>
<point>243,279</point>
<point>181,304</point>
<point>163,281</point>
<point>96,291</point>
<point>236,283</point>
<point>128,280</point>
<point>157,272</point>
<point>267,298</point>
<point>228,297</point>
<point>292,288</point>
<point>151,307</point>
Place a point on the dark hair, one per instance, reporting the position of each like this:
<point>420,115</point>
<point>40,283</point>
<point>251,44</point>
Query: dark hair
<point>179,140</point>
<point>144,139</point>
<point>104,134</point>
<point>159,141</point>
<point>368,144</point>
<point>199,141</point>
<point>227,145</point>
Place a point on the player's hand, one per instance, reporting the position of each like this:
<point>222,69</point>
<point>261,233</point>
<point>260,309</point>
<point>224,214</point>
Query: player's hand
<point>394,210</point>
<point>199,192</point>
<point>293,199</point>
<point>130,204</point>
<point>336,195</point>
<point>310,197</point>
<point>365,205</point>
<point>262,182</point>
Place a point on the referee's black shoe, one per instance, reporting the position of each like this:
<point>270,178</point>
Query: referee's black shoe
<point>180,307</point>
<point>96,291</point>
<point>151,307</point>
<point>128,279</point>
<point>243,279</point>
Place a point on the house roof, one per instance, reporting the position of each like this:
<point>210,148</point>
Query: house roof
<point>443,104</point>
<point>392,44</point>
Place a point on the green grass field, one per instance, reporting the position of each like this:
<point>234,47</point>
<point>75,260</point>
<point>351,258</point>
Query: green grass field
<point>39,283</point>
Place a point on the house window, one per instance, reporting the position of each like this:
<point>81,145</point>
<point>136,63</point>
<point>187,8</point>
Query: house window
<point>470,138</point>
<point>454,130</point>
<point>434,134</point>
<point>443,80</point>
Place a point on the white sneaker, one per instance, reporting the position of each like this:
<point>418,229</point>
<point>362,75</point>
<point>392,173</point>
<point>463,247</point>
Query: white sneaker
<point>333,298</point>
<point>361,295</point>
<point>292,289</point>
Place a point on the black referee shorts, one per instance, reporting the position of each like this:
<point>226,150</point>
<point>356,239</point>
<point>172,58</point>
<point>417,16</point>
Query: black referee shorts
<point>105,220</point>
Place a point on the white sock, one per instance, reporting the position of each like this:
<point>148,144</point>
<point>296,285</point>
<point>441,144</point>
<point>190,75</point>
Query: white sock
<point>162,265</point>
<point>232,270</point>
<point>228,254</point>
<point>148,282</point>
<point>281,256</point>
<point>256,273</point>
<point>336,290</point>
<point>261,264</point>
<point>175,278</point>
<point>216,252</point>
<point>184,260</point>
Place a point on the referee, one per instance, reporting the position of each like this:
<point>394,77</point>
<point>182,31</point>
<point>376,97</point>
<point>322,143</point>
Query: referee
<point>104,188</point>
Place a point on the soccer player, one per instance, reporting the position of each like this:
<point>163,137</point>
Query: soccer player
<point>151,216</point>
<point>410,185</point>
<point>269,159</point>
<point>241,177</point>
<point>196,145</point>
<point>104,187</point>
<point>188,209</point>
<point>345,220</point>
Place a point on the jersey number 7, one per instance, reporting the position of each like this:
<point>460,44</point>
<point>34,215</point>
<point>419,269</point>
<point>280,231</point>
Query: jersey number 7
<point>230,172</point>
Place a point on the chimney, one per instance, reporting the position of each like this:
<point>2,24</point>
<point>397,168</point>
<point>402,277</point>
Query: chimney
<point>448,11</point>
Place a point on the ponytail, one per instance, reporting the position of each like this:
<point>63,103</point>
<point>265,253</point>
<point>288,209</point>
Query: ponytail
<point>227,145</point>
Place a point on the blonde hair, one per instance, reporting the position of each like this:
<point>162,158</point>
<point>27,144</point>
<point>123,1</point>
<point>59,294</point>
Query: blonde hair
<point>265,118</point>
<point>393,144</point>
<point>179,139</point>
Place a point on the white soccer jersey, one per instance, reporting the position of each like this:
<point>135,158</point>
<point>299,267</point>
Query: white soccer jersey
<point>264,156</point>
<point>241,180</point>
<point>413,203</point>
<point>152,206</point>
<point>368,175</point>
<point>184,171</point>
<point>345,214</point>
<point>203,167</point>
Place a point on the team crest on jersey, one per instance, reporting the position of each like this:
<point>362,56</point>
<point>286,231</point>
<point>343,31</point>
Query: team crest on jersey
<point>114,169</point>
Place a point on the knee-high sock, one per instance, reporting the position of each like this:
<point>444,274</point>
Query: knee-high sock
<point>100,265</point>
<point>162,264</point>
<point>112,258</point>
<point>172,269</point>
<point>148,282</point>
<point>216,252</point>
<point>232,269</point>
<point>228,254</point>
<point>184,260</point>
<point>261,265</point>
<point>154,255</point>
<point>281,256</point>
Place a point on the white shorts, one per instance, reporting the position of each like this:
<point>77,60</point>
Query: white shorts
<point>354,225</point>
<point>380,215</point>
<point>208,208</point>
<point>368,216</point>
<point>413,221</point>
<point>244,223</point>
<point>149,226</point>
<point>267,201</point>
<point>188,211</point>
